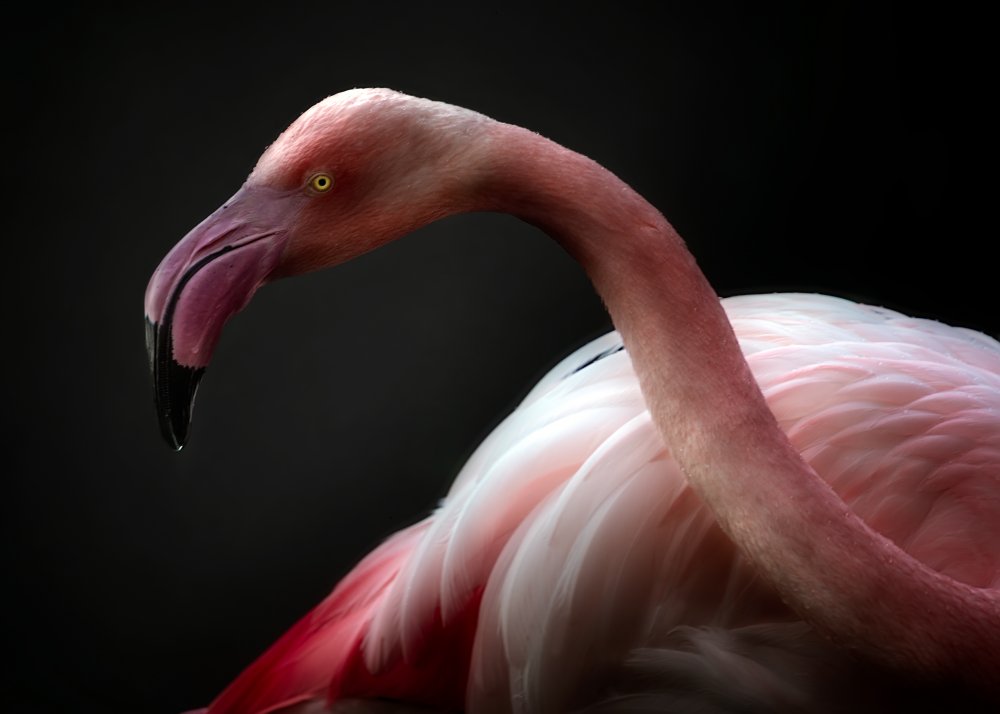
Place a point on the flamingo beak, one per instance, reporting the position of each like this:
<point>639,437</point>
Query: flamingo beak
<point>208,277</point>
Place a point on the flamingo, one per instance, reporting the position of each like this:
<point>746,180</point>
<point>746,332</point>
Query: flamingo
<point>784,502</point>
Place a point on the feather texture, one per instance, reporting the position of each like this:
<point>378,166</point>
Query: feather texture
<point>571,542</point>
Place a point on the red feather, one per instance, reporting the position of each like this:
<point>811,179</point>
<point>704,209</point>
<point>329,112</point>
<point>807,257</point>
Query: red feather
<point>322,654</point>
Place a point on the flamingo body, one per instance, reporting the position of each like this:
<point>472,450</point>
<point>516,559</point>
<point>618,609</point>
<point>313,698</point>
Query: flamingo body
<point>574,540</point>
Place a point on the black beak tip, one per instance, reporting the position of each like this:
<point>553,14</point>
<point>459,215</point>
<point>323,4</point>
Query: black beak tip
<point>175,431</point>
<point>175,385</point>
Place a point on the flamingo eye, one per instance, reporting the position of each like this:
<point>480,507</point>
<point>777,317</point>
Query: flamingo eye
<point>321,183</point>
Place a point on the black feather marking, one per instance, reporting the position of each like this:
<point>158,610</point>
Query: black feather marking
<point>598,357</point>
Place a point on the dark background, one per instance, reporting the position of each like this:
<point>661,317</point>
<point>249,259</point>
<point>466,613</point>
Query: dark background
<point>834,150</point>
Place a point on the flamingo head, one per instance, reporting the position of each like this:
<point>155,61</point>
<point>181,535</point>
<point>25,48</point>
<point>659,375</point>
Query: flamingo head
<point>353,172</point>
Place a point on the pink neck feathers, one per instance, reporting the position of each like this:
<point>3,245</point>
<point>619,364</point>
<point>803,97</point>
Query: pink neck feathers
<point>849,582</point>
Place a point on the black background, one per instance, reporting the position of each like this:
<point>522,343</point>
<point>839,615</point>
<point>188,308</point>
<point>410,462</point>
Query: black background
<point>832,149</point>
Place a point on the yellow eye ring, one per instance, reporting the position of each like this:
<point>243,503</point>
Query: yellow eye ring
<point>321,183</point>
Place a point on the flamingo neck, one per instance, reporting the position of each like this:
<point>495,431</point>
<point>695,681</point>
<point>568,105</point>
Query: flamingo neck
<point>835,572</point>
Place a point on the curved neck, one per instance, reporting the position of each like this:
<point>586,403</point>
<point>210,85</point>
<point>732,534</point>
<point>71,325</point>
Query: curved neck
<point>848,581</point>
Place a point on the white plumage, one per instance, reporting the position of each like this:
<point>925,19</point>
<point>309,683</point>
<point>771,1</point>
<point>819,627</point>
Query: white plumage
<point>599,544</point>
